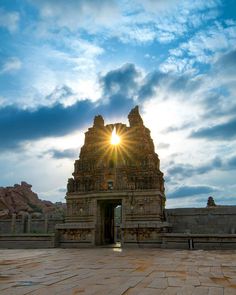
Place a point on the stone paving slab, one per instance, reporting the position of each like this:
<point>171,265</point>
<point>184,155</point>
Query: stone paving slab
<point>114,271</point>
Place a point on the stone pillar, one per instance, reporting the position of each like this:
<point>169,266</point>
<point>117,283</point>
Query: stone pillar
<point>115,233</point>
<point>29,223</point>
<point>46,223</point>
<point>13,223</point>
<point>23,226</point>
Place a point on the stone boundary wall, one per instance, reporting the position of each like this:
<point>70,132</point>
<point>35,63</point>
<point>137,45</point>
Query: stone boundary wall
<point>165,241</point>
<point>28,225</point>
<point>212,220</point>
<point>189,242</point>
<point>199,241</point>
<point>28,241</point>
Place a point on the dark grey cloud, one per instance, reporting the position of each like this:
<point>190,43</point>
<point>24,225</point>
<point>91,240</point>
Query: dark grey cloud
<point>150,84</point>
<point>231,163</point>
<point>227,63</point>
<point>59,93</point>
<point>119,88</point>
<point>223,131</point>
<point>213,103</point>
<point>225,201</point>
<point>189,191</point>
<point>178,128</point>
<point>173,83</point>
<point>19,125</point>
<point>62,190</point>
<point>63,154</point>
<point>218,101</point>
<point>184,83</point>
<point>182,171</point>
<point>122,80</point>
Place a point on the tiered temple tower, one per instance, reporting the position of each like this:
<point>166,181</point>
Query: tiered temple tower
<point>117,167</point>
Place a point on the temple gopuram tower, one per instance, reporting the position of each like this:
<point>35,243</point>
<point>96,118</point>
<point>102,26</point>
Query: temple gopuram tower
<point>117,171</point>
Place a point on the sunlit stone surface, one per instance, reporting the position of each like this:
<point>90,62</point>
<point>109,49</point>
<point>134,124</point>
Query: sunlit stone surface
<point>117,271</point>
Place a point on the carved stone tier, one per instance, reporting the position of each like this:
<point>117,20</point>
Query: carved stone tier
<point>107,176</point>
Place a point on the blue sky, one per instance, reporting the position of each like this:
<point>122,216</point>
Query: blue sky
<point>62,62</point>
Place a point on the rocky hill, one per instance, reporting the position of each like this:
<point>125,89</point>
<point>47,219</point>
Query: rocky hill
<point>20,199</point>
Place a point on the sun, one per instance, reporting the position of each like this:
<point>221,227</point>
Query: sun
<point>115,138</point>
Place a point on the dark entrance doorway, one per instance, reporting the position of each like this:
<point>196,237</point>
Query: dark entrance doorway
<point>108,222</point>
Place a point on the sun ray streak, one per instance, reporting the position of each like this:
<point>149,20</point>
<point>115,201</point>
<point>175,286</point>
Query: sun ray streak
<point>115,138</point>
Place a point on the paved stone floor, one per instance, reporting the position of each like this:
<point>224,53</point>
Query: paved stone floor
<point>116,271</point>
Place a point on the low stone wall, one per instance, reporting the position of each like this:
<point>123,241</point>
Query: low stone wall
<point>212,220</point>
<point>27,241</point>
<point>26,224</point>
<point>198,241</point>
<point>192,228</point>
<point>164,241</point>
<point>6,226</point>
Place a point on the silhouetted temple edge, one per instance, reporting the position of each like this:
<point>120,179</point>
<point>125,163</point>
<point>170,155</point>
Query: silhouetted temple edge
<point>106,176</point>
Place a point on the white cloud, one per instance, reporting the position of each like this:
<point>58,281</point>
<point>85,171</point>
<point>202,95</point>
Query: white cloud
<point>176,52</point>
<point>73,63</point>
<point>63,56</point>
<point>139,21</point>
<point>13,64</point>
<point>205,45</point>
<point>9,20</point>
<point>169,19</point>
<point>197,99</point>
<point>171,5</point>
<point>87,14</point>
<point>136,34</point>
<point>160,5</point>
<point>54,171</point>
<point>3,101</point>
<point>177,65</point>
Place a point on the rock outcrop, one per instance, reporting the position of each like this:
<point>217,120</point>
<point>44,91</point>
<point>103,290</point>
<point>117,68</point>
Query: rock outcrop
<point>20,199</point>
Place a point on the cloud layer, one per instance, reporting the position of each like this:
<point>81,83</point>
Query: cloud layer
<point>63,62</point>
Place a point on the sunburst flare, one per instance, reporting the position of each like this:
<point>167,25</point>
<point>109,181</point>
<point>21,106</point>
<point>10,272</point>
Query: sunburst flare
<point>115,138</point>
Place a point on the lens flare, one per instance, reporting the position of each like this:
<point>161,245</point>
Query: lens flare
<point>115,138</point>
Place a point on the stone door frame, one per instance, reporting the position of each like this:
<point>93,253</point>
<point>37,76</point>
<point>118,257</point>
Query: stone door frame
<point>102,205</point>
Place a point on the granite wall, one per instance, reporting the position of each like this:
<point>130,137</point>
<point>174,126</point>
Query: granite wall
<point>212,220</point>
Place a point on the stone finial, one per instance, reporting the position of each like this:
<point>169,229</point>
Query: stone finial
<point>211,202</point>
<point>134,117</point>
<point>98,121</point>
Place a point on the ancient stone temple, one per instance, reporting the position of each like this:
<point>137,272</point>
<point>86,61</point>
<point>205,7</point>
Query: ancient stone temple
<point>117,171</point>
